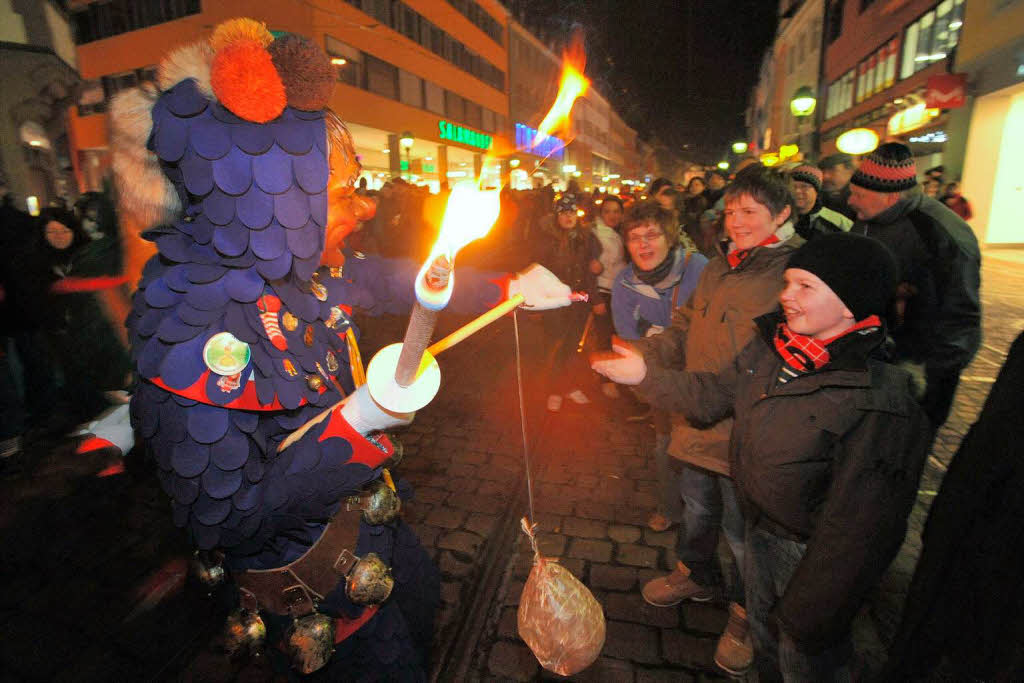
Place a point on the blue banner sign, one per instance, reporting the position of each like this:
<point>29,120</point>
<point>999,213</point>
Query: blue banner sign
<point>527,140</point>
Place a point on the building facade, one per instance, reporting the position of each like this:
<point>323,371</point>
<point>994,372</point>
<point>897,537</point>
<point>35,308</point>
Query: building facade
<point>40,77</point>
<point>792,64</point>
<point>430,72</point>
<point>879,57</point>
<point>991,54</point>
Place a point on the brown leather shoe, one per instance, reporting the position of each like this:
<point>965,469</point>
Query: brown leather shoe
<point>735,650</point>
<point>666,591</point>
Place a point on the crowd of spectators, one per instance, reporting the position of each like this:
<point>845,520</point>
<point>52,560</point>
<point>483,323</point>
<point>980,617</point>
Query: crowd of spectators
<point>714,296</point>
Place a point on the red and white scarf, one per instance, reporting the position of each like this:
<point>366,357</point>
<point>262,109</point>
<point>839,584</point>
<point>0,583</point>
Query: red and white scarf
<point>737,256</point>
<point>802,354</point>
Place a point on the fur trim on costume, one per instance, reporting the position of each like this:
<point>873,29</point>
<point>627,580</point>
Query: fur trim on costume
<point>234,30</point>
<point>143,191</point>
<point>187,61</point>
<point>305,70</point>
<point>245,81</point>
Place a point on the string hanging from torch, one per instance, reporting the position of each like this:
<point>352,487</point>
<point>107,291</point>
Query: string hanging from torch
<point>522,423</point>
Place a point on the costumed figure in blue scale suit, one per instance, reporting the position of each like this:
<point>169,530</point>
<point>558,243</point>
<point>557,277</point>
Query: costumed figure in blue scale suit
<point>241,334</point>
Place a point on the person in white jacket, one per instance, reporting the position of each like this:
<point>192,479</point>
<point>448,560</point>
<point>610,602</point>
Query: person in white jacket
<point>613,260</point>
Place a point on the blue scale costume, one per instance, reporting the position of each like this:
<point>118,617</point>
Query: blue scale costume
<point>249,241</point>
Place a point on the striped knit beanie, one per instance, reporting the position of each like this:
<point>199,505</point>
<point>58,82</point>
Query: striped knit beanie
<point>807,173</point>
<point>890,168</point>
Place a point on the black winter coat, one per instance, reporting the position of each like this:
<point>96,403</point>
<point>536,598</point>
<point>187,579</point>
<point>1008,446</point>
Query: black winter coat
<point>966,600</point>
<point>832,458</point>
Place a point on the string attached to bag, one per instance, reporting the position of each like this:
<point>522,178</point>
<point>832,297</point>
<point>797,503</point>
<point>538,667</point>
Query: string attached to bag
<point>522,424</point>
<point>558,617</point>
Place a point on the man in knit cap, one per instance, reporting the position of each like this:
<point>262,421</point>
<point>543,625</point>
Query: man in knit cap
<point>936,321</point>
<point>813,219</point>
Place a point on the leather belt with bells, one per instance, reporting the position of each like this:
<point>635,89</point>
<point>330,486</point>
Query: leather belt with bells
<point>295,588</point>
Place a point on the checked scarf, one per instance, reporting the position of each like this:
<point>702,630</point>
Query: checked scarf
<point>802,354</point>
<point>784,232</point>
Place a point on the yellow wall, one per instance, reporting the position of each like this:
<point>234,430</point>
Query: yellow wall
<point>986,29</point>
<point>993,166</point>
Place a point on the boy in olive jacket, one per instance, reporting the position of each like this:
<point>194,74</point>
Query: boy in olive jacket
<point>826,451</point>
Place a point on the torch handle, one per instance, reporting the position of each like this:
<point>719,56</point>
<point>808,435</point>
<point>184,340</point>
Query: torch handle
<point>417,336</point>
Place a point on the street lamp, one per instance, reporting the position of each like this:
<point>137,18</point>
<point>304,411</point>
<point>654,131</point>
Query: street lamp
<point>406,143</point>
<point>803,102</point>
<point>724,165</point>
<point>739,147</point>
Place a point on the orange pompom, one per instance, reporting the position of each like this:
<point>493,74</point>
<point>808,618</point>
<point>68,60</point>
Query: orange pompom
<point>245,81</point>
<point>234,30</point>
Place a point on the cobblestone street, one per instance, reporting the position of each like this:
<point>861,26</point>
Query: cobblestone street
<point>95,584</point>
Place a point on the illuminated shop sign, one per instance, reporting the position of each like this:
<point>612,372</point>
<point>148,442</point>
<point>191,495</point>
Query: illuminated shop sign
<point>933,136</point>
<point>548,146</point>
<point>911,118</point>
<point>465,136</point>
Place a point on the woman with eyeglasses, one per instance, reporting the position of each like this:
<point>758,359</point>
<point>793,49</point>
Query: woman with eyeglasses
<point>661,277</point>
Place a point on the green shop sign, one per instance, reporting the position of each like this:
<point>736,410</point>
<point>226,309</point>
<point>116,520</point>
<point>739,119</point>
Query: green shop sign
<point>456,133</point>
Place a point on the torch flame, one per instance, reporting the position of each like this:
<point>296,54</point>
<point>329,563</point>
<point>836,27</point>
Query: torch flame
<point>573,84</point>
<point>470,214</point>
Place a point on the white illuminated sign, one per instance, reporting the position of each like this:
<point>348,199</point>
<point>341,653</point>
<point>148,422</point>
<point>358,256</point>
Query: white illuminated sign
<point>933,136</point>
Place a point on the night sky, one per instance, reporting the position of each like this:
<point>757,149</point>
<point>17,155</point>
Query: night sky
<point>638,56</point>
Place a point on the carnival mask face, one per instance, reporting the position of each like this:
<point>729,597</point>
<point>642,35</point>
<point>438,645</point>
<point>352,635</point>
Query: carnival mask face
<point>344,207</point>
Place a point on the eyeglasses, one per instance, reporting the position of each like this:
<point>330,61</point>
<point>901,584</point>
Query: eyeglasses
<point>648,237</point>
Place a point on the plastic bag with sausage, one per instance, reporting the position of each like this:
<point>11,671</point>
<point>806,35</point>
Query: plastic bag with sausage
<point>559,618</point>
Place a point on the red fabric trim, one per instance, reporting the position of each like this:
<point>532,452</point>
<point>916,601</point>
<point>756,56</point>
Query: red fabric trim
<point>344,627</point>
<point>72,285</point>
<point>247,401</point>
<point>93,443</point>
<point>736,256</point>
<point>502,283</point>
<point>798,351</point>
<point>870,321</point>
<point>363,451</point>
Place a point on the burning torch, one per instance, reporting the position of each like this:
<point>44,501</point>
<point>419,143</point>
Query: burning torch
<point>405,377</point>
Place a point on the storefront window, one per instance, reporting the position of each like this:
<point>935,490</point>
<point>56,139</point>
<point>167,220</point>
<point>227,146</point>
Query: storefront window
<point>877,72</point>
<point>435,97</point>
<point>840,95</point>
<point>347,61</point>
<point>455,106</point>
<point>410,89</point>
<point>932,37</point>
<point>381,77</point>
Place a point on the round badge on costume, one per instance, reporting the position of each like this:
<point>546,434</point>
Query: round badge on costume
<point>226,355</point>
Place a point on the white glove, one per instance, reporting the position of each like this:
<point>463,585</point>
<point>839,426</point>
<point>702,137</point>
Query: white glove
<point>114,426</point>
<point>626,367</point>
<point>365,415</point>
<point>540,287</point>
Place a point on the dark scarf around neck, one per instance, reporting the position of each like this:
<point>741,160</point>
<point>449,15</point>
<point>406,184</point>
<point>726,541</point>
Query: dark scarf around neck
<point>660,271</point>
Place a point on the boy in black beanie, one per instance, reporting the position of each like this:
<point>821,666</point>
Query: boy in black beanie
<point>826,451</point>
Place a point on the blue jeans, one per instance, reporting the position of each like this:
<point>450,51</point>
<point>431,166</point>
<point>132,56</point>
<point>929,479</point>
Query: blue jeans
<point>670,503</point>
<point>771,562</point>
<point>710,504</point>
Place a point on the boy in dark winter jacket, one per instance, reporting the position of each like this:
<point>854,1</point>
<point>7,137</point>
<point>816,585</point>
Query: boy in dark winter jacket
<point>826,451</point>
